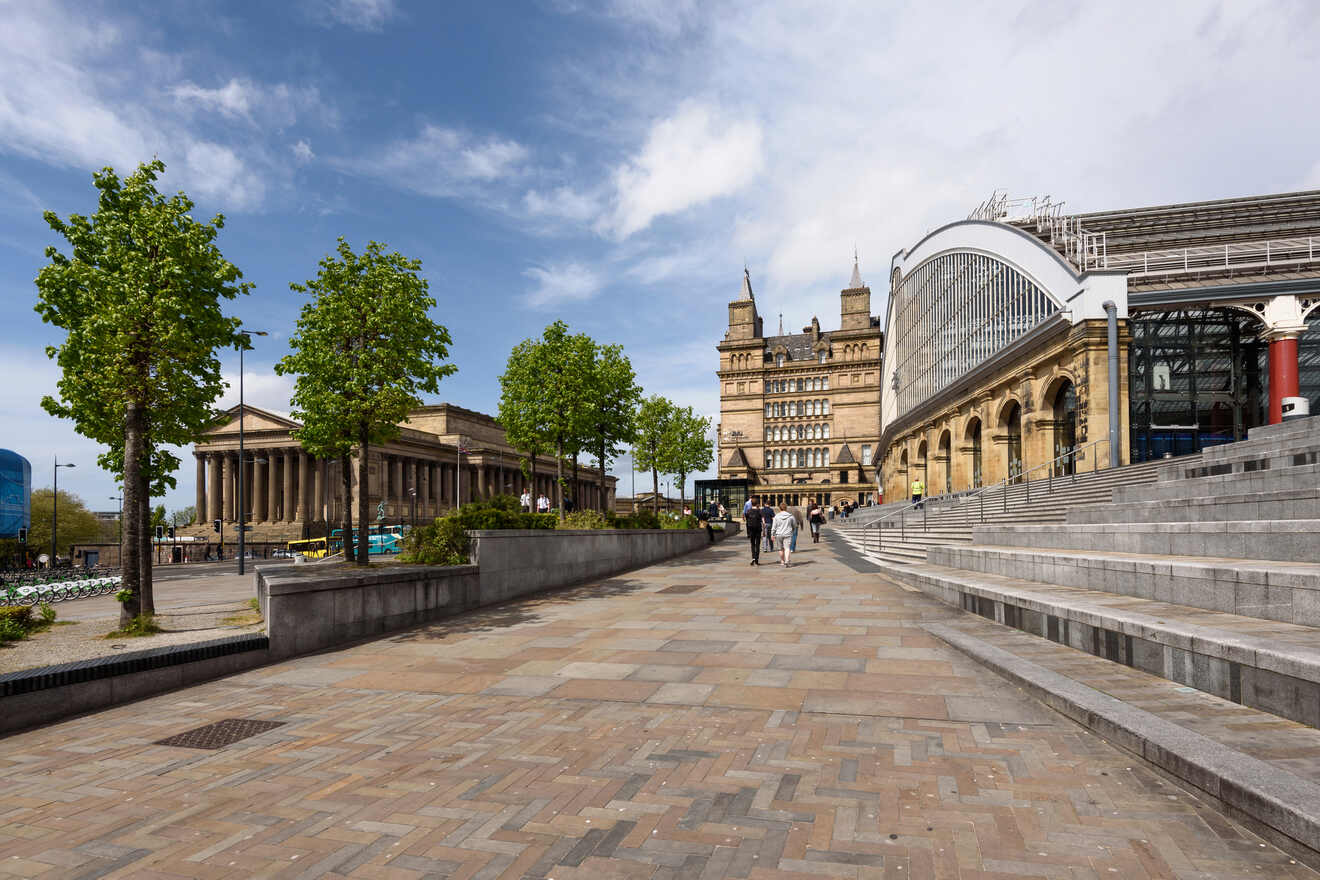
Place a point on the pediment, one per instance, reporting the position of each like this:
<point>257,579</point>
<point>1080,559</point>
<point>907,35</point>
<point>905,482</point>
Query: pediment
<point>254,419</point>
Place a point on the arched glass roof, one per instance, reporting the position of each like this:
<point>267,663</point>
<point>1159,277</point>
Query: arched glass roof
<point>953,312</point>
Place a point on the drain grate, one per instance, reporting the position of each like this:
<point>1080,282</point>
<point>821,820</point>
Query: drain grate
<point>219,734</point>
<point>683,588</point>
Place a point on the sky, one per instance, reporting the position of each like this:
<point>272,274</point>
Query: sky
<point>614,164</point>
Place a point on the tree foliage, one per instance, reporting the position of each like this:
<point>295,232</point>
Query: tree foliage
<point>183,516</point>
<point>687,446</point>
<point>140,295</point>
<point>613,397</point>
<point>654,416</point>
<point>365,349</point>
<point>76,524</point>
<point>544,395</point>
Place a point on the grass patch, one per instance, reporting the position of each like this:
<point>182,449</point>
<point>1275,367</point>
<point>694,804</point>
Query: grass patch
<point>65,623</point>
<point>245,618</point>
<point>254,603</point>
<point>142,625</point>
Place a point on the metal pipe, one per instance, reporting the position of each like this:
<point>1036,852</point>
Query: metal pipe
<point>1111,316</point>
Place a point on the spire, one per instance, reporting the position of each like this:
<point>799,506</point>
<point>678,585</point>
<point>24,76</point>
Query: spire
<point>855,282</point>
<point>747,287</point>
<point>781,323</point>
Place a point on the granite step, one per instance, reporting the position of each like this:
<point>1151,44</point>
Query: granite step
<point>1272,480</point>
<point>1299,503</point>
<point>1255,765</point>
<point>1266,589</point>
<point>1295,540</point>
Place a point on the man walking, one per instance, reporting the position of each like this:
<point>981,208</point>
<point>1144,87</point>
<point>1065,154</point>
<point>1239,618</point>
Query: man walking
<point>752,519</point>
<point>767,517</point>
<point>918,491</point>
<point>526,501</point>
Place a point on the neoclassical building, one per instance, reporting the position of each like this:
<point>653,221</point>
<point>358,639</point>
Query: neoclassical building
<point>799,412</point>
<point>1024,342</point>
<point>443,453</point>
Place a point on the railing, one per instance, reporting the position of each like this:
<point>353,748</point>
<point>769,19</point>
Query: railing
<point>1244,255</point>
<point>1069,459</point>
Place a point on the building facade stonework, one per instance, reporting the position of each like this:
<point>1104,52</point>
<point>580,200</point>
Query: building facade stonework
<point>444,454</point>
<point>800,413</point>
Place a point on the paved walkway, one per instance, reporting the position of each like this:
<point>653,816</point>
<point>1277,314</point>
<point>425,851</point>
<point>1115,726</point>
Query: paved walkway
<point>697,719</point>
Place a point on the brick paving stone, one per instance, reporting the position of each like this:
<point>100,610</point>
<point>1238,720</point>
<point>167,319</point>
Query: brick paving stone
<point>771,724</point>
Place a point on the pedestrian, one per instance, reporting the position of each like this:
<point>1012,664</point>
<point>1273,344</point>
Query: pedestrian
<point>918,491</point>
<point>767,517</point>
<point>784,527</point>
<point>815,516</point>
<point>752,519</point>
<point>526,501</point>
<point>797,526</point>
<point>542,504</point>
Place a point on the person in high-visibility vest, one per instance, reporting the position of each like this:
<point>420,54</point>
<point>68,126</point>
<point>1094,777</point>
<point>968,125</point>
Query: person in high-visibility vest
<point>918,490</point>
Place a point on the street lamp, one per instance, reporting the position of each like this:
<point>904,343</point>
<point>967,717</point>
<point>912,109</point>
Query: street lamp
<point>120,499</point>
<point>54,509</point>
<point>412,491</point>
<point>242,517</point>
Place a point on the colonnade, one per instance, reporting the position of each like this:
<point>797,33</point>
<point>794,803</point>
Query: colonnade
<point>286,485</point>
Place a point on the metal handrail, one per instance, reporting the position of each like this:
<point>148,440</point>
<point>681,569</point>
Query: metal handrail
<point>980,494</point>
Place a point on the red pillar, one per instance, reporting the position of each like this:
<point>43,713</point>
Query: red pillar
<point>1283,374</point>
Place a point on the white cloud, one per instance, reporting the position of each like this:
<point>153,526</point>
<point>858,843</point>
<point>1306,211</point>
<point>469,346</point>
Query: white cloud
<point>688,159</point>
<point>441,161</point>
<point>560,284</point>
<point>302,152</point>
<point>268,106</point>
<point>262,388</point>
<point>561,203</point>
<point>361,15</point>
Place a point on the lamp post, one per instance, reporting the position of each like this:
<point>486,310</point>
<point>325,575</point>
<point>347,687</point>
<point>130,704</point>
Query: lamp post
<point>120,499</point>
<point>412,491</point>
<point>54,509</point>
<point>242,517</point>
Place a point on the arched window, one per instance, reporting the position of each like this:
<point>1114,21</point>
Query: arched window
<point>825,455</point>
<point>862,353</point>
<point>825,410</point>
<point>824,432</point>
<point>802,458</point>
<point>779,360</point>
<point>768,408</point>
<point>825,383</point>
<point>769,458</point>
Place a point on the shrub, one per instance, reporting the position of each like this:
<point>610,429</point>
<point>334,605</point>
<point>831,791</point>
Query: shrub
<point>642,519</point>
<point>501,512</point>
<point>142,625</point>
<point>584,519</point>
<point>17,621</point>
<point>443,542</point>
<point>21,615</point>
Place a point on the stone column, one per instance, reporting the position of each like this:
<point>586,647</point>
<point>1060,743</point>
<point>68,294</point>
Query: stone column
<point>259,471</point>
<point>305,483</point>
<point>288,506</point>
<point>424,487</point>
<point>201,488</point>
<point>395,496</point>
<point>272,486</point>
<point>227,486</point>
<point>319,511</point>
<point>214,502</point>
<point>481,481</point>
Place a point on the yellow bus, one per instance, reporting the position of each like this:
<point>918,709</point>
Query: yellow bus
<point>313,548</point>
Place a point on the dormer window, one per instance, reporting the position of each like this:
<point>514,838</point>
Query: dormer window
<point>779,360</point>
<point>822,357</point>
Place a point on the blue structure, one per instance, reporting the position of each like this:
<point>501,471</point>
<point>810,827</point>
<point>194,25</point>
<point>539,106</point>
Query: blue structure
<point>15,493</point>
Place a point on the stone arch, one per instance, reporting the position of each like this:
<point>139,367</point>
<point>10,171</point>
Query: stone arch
<point>922,464</point>
<point>1010,426</point>
<point>974,443</point>
<point>944,460</point>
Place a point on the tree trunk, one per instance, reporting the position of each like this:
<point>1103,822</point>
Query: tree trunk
<point>559,476</point>
<point>147,605</point>
<point>601,463</point>
<point>655,490</point>
<point>531,479</point>
<point>364,500</point>
<point>346,526</point>
<point>682,482</point>
<point>577,502</point>
<point>130,548</point>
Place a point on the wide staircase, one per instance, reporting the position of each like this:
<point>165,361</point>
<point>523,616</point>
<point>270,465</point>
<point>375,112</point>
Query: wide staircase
<point>895,534</point>
<point>1181,618</point>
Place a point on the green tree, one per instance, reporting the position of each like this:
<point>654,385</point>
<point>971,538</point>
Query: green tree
<point>183,516</point>
<point>77,524</point>
<point>546,384</point>
<point>653,418</point>
<point>687,446</point>
<point>365,349</point>
<point>519,408</point>
<point>613,397</point>
<point>140,298</point>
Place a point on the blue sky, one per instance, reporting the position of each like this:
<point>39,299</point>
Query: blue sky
<point>614,164</point>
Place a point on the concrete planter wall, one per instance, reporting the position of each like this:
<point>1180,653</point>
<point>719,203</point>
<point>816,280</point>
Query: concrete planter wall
<point>311,608</point>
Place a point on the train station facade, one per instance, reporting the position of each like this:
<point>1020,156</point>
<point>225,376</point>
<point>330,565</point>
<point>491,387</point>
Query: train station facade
<point>1025,343</point>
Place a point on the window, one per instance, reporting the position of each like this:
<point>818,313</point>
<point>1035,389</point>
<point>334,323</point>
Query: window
<point>866,454</point>
<point>822,357</point>
<point>825,454</point>
<point>843,476</point>
<point>801,385</point>
<point>742,387</point>
<point>769,458</point>
<point>825,384</point>
<point>815,432</point>
<point>825,407</point>
<point>768,434</point>
<point>824,432</point>
<point>802,458</point>
<point>768,409</point>
<point>779,360</point>
<point>815,458</point>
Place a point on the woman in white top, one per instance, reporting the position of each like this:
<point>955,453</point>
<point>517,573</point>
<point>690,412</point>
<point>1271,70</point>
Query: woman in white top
<point>784,527</point>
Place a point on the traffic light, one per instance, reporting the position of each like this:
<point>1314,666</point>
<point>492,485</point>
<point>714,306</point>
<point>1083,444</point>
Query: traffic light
<point>22,534</point>
<point>215,525</point>
<point>160,532</point>
<point>171,533</point>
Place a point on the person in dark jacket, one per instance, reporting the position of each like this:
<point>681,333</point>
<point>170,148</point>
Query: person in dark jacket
<point>753,522</point>
<point>767,517</point>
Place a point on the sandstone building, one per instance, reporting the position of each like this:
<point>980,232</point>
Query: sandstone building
<point>290,495</point>
<point>800,412</point>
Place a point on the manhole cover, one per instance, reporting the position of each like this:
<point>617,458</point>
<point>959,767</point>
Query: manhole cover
<point>219,734</point>
<point>683,588</point>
